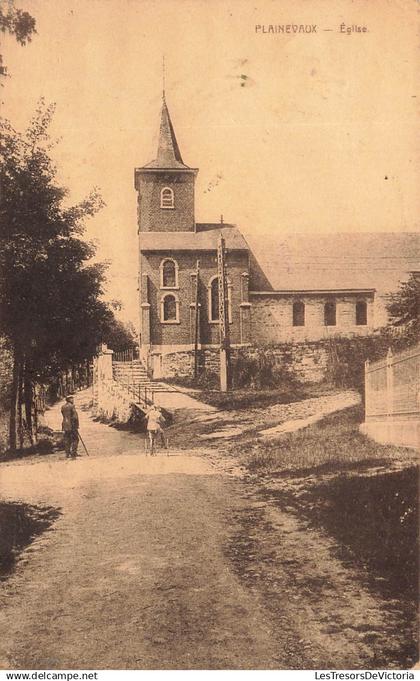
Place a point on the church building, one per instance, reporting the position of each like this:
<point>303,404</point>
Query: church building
<point>174,249</point>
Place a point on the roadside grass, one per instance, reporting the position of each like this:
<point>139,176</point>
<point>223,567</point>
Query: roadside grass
<point>375,518</point>
<point>332,444</point>
<point>362,494</point>
<point>46,445</point>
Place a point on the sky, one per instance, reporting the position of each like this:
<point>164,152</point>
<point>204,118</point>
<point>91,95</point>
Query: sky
<point>309,132</point>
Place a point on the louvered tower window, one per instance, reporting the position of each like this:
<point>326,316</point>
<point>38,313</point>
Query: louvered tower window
<point>167,198</point>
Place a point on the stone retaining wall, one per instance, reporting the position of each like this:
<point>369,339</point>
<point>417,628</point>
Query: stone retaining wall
<point>112,401</point>
<point>308,361</point>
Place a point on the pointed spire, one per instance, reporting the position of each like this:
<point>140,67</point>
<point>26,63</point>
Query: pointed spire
<point>168,150</point>
<point>168,155</point>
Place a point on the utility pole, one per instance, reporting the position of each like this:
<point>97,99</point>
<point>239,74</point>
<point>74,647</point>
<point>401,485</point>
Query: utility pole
<point>223,316</point>
<point>197,317</point>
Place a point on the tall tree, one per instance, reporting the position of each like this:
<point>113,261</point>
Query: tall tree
<point>18,23</point>
<point>50,291</point>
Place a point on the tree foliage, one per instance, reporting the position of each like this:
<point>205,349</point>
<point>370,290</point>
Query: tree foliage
<point>18,23</point>
<point>347,356</point>
<point>50,290</point>
<point>120,335</point>
<point>404,307</point>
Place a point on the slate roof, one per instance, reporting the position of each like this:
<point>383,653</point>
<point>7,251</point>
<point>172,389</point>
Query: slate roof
<point>168,154</point>
<point>204,239</point>
<point>304,262</point>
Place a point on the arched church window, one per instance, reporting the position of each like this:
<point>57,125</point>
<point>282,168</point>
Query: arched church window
<point>169,311</point>
<point>169,273</point>
<point>330,314</point>
<point>167,198</point>
<point>298,313</point>
<point>361,313</point>
<point>213,302</point>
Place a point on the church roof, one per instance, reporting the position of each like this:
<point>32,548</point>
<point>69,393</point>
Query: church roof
<point>307,262</point>
<point>168,154</point>
<point>204,239</point>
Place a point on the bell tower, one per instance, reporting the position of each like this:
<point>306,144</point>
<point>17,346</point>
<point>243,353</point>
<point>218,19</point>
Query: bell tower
<point>165,186</point>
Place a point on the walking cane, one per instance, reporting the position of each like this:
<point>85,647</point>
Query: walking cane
<point>80,438</point>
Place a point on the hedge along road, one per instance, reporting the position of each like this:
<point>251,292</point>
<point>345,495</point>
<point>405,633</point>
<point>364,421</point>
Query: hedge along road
<point>144,569</point>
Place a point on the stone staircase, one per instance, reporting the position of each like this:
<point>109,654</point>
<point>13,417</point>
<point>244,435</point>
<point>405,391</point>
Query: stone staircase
<point>133,375</point>
<point>131,372</point>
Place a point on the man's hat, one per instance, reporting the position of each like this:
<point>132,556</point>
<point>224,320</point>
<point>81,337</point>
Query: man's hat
<point>69,397</point>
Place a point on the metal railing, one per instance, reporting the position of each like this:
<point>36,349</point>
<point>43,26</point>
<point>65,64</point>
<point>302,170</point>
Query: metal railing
<point>127,355</point>
<point>141,395</point>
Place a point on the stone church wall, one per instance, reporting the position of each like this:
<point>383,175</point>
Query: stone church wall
<point>272,318</point>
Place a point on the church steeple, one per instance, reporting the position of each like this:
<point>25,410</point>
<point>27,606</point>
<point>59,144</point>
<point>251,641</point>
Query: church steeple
<point>168,154</point>
<point>165,186</point>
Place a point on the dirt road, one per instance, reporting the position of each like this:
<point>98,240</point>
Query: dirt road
<point>167,563</point>
<point>133,574</point>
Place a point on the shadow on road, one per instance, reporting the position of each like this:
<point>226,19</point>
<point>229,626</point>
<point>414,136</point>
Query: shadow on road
<point>20,524</point>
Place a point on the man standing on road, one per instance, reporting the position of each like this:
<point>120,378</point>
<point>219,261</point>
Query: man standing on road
<point>70,427</point>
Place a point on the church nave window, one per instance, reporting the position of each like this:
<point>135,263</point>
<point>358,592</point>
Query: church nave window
<point>168,273</point>
<point>213,300</point>
<point>169,309</point>
<point>298,313</point>
<point>330,314</point>
<point>167,198</point>
<point>361,313</point>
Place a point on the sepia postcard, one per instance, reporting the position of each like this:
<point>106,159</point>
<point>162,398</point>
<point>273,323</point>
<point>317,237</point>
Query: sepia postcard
<point>209,337</point>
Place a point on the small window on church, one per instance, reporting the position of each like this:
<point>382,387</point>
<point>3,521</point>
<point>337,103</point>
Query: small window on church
<point>214,300</point>
<point>169,309</point>
<point>167,198</point>
<point>298,313</point>
<point>330,314</point>
<point>361,313</point>
<point>169,273</point>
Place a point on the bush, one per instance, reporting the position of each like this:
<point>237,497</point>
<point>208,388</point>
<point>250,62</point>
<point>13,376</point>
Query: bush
<point>261,369</point>
<point>347,356</point>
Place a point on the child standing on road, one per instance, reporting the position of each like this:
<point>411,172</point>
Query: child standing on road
<point>155,423</point>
